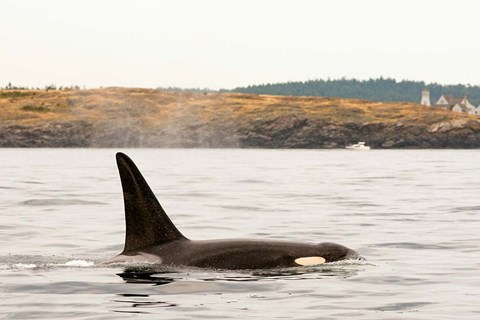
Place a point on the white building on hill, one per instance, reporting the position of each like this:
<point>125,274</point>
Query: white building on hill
<point>425,98</point>
<point>449,102</point>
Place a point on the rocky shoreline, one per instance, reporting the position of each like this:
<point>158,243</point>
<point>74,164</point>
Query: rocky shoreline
<point>152,119</point>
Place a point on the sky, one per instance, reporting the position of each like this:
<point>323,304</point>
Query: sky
<point>225,44</point>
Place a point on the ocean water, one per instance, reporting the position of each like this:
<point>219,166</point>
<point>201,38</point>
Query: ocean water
<point>413,214</point>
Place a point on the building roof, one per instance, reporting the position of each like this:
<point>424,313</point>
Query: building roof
<point>452,101</point>
<point>462,106</point>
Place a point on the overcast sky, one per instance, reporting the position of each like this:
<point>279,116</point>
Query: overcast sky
<point>224,44</point>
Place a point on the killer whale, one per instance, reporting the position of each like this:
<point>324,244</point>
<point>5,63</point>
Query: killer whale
<point>152,237</point>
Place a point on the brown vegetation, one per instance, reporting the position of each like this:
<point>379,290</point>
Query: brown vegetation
<point>115,117</point>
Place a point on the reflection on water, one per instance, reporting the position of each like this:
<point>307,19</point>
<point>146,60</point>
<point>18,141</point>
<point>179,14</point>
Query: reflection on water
<point>159,275</point>
<point>200,281</point>
<point>146,275</point>
<point>140,301</point>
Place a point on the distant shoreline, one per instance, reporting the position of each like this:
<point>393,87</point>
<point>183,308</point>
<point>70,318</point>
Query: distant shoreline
<point>149,118</point>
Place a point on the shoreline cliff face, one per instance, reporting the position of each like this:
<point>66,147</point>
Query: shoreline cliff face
<point>123,117</point>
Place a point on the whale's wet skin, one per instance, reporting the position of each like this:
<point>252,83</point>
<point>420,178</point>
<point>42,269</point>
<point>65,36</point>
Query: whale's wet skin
<point>151,237</point>
<point>413,214</point>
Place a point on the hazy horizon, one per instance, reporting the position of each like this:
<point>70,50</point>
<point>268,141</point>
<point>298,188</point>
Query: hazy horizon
<point>228,44</point>
<point>81,86</point>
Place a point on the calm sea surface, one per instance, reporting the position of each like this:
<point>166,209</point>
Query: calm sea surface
<point>414,216</point>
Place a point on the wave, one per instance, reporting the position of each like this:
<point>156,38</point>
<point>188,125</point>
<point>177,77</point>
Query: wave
<point>59,202</point>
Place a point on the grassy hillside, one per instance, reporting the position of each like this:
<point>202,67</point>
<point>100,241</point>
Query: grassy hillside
<point>154,118</point>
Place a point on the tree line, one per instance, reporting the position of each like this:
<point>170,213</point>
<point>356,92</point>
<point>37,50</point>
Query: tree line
<point>48,87</point>
<point>381,89</point>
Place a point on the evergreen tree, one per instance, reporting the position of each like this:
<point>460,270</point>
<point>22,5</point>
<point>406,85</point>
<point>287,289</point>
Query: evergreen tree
<point>381,89</point>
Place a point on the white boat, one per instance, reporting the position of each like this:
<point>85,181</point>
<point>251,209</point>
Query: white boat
<point>358,146</point>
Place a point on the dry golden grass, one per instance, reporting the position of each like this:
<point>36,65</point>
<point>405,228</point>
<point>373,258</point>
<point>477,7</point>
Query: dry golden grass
<point>156,108</point>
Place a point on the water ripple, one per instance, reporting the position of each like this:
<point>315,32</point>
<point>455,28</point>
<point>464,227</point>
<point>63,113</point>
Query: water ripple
<point>405,306</point>
<point>412,245</point>
<point>59,202</point>
<point>412,214</point>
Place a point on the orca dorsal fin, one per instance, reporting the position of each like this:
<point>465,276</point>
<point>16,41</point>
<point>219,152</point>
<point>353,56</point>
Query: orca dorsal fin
<point>147,224</point>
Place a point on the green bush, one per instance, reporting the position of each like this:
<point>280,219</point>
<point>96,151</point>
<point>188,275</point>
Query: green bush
<point>33,108</point>
<point>15,94</point>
